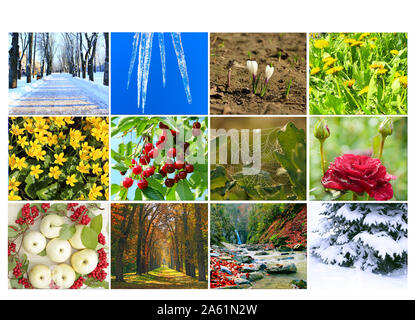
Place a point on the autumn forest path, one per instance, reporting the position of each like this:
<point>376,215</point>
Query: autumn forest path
<point>161,278</point>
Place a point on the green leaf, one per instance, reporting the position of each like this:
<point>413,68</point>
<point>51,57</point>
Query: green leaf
<point>120,167</point>
<point>183,191</point>
<point>115,188</point>
<point>47,192</point>
<point>89,238</point>
<point>218,177</point>
<point>96,223</point>
<point>152,194</point>
<point>67,231</point>
<point>138,195</point>
<point>12,233</point>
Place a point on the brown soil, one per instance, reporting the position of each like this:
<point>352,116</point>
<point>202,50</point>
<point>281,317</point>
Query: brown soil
<point>230,50</point>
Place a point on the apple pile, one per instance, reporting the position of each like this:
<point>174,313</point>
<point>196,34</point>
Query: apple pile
<point>60,247</point>
<point>173,169</point>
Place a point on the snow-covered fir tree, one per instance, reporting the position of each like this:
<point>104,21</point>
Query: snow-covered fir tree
<point>372,237</point>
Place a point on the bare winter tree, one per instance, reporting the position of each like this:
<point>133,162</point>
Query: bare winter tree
<point>29,58</point>
<point>13,60</point>
<point>91,41</point>
<point>107,59</point>
<point>34,57</point>
<point>47,49</point>
<point>24,41</point>
<point>69,53</point>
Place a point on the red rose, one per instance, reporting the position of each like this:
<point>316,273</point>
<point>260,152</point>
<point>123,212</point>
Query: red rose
<point>359,174</point>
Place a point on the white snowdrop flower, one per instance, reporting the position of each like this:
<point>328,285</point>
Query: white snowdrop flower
<point>268,72</point>
<point>252,67</point>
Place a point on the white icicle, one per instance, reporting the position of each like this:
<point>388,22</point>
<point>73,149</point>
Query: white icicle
<point>146,67</point>
<point>141,53</point>
<point>181,61</point>
<point>162,56</point>
<point>133,57</point>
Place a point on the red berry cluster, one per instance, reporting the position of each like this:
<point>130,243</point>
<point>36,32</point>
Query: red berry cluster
<point>45,206</point>
<point>99,272</point>
<point>28,215</point>
<point>11,248</point>
<point>80,214</point>
<point>25,282</point>
<point>17,272</point>
<point>78,283</point>
<point>101,239</point>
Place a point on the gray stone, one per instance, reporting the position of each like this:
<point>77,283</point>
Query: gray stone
<point>287,268</point>
<point>255,276</point>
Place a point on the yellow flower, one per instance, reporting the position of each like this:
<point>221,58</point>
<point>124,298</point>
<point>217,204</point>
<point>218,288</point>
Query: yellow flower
<point>314,71</point>
<point>349,40</point>
<point>83,168</point>
<point>14,184</point>
<point>71,180</point>
<point>84,155</point>
<point>349,83</point>
<point>60,158</point>
<point>96,153</point>
<point>58,121</point>
<point>328,62</point>
<point>22,141</point>
<point>35,171</point>
<point>13,196</point>
<point>376,66</point>
<point>364,35</point>
<point>372,46</point>
<point>396,75</point>
<point>105,179</point>
<point>320,44</point>
<point>394,52</point>
<point>404,81</point>
<point>96,169</point>
<point>364,90</point>
<point>12,161</point>
<point>95,192</point>
<point>334,70</point>
<point>54,172</point>
<point>81,197</point>
<point>16,131</point>
<point>357,44</point>
<point>381,71</point>
<point>20,163</point>
<point>106,166</point>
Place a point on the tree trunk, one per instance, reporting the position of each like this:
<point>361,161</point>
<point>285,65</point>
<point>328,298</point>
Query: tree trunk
<point>92,57</point>
<point>13,61</point>
<point>107,59</point>
<point>201,257</point>
<point>122,244</point>
<point>29,59</point>
<point>34,57</point>
<point>139,240</point>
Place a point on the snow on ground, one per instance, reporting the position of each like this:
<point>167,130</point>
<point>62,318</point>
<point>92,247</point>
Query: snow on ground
<point>23,88</point>
<point>323,276</point>
<point>96,87</point>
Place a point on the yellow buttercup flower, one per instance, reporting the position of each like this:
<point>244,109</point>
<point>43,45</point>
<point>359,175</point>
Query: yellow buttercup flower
<point>394,52</point>
<point>381,71</point>
<point>20,163</point>
<point>14,184</point>
<point>22,141</point>
<point>54,172</point>
<point>357,44</point>
<point>96,169</point>
<point>13,197</point>
<point>60,158</point>
<point>314,71</point>
<point>105,179</point>
<point>404,81</point>
<point>58,121</point>
<point>376,66</point>
<point>83,168</point>
<point>364,35</point>
<point>35,171</point>
<point>95,192</point>
<point>71,180</point>
<point>96,153</point>
<point>16,130</point>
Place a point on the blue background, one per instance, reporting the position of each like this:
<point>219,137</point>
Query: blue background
<point>172,99</point>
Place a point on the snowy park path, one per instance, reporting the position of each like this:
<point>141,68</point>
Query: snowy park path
<point>62,94</point>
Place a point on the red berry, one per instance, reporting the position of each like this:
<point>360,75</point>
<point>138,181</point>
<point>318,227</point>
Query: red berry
<point>127,182</point>
<point>148,147</point>
<point>196,125</point>
<point>179,165</point>
<point>133,161</point>
<point>171,152</point>
<point>160,145</point>
<point>176,178</point>
<point>142,184</point>
<point>123,172</point>
<point>169,182</point>
<point>153,153</point>
<point>137,170</point>
<point>182,175</point>
<point>170,168</point>
<point>144,160</point>
<point>189,168</point>
<point>163,172</point>
<point>151,171</point>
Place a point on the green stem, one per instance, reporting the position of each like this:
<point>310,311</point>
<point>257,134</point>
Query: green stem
<point>382,143</point>
<point>323,163</point>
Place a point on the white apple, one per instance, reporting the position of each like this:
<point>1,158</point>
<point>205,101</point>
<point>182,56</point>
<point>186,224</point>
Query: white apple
<point>51,226</point>
<point>34,242</point>
<point>75,240</point>
<point>84,261</point>
<point>58,250</point>
<point>63,275</point>
<point>40,276</point>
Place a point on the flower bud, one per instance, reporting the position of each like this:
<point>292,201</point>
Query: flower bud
<point>386,127</point>
<point>321,130</point>
<point>268,72</point>
<point>252,67</point>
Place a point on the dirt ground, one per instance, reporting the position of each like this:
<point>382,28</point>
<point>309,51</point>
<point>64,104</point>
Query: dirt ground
<point>286,52</point>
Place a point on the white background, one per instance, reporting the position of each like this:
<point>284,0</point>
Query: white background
<point>204,16</point>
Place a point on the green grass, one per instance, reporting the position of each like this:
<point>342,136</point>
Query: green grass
<point>161,278</point>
